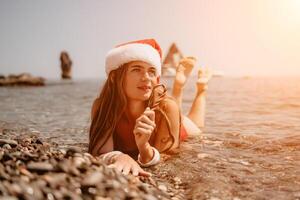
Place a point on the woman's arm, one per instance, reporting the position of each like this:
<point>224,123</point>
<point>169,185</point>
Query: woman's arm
<point>168,131</point>
<point>116,159</point>
<point>143,129</point>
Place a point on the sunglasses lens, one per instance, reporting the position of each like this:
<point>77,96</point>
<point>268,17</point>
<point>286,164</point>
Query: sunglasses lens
<point>158,92</point>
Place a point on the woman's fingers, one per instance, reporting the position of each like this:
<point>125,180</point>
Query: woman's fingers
<point>126,170</point>
<point>111,166</point>
<point>119,167</point>
<point>144,173</point>
<point>150,113</point>
<point>116,166</point>
<point>135,171</point>
<point>143,118</point>
<point>142,131</point>
<point>144,125</point>
<point>141,124</point>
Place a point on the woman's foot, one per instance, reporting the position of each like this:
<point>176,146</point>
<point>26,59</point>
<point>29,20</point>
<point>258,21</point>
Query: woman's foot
<point>183,70</point>
<point>204,75</point>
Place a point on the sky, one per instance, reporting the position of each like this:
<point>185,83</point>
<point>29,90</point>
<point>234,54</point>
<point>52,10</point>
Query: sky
<point>237,37</point>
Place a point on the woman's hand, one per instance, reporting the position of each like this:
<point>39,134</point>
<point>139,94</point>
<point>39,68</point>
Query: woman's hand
<point>144,127</point>
<point>125,164</point>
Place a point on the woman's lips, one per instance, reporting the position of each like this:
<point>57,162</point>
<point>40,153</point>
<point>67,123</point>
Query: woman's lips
<point>144,88</point>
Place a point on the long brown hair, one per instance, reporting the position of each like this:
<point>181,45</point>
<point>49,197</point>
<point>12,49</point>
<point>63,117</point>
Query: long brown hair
<point>107,110</point>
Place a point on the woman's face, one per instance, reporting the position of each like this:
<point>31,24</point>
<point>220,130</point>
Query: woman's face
<point>140,78</point>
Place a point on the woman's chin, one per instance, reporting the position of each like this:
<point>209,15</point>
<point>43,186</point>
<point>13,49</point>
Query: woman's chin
<point>142,96</point>
<point>145,96</point>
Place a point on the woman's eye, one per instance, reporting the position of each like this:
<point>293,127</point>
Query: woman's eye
<point>153,73</point>
<point>136,70</point>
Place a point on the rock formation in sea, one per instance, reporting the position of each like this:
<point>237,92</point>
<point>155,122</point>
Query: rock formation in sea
<point>171,60</point>
<point>21,79</point>
<point>65,65</point>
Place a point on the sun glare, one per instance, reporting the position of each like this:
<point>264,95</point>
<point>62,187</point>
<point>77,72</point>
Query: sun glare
<point>292,11</point>
<point>284,15</point>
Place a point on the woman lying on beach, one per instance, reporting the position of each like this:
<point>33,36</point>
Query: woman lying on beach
<point>133,119</point>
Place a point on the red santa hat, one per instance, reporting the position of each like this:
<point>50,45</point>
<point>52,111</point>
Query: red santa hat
<point>146,50</point>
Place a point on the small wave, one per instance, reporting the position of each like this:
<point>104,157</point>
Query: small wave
<point>288,143</point>
<point>288,106</point>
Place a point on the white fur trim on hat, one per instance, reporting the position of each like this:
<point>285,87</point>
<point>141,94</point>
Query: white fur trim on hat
<point>132,52</point>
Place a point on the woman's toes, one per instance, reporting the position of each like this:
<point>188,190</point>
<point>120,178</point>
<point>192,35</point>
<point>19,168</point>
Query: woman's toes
<point>184,69</point>
<point>186,65</point>
<point>204,75</point>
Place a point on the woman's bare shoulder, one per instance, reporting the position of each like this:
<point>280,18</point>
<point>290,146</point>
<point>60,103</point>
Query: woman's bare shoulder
<point>169,103</point>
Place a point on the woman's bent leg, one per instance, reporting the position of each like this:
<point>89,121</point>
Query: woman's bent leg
<point>197,111</point>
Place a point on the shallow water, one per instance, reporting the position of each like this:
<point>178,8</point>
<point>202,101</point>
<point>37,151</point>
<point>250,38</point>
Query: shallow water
<point>250,148</point>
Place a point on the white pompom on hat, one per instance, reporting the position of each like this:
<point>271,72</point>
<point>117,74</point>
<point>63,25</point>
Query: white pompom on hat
<point>146,50</point>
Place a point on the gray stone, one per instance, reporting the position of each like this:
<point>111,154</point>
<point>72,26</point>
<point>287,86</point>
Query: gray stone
<point>40,167</point>
<point>6,146</point>
<point>12,143</point>
<point>92,179</point>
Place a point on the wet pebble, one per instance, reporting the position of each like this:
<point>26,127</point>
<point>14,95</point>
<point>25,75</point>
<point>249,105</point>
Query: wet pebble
<point>163,187</point>
<point>297,195</point>
<point>40,167</point>
<point>6,146</point>
<point>12,143</point>
<point>1,154</point>
<point>150,197</point>
<point>92,179</point>
<point>72,150</point>
<point>79,161</point>
<point>202,155</point>
<point>55,180</point>
<point>8,198</point>
<point>25,172</point>
<point>214,198</point>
